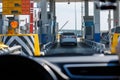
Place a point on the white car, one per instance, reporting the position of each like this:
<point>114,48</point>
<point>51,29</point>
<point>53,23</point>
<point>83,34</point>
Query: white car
<point>68,38</point>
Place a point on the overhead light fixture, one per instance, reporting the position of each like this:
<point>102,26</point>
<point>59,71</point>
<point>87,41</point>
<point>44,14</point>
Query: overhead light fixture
<point>107,4</point>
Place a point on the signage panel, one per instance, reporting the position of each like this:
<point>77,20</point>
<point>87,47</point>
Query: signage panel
<point>13,7</point>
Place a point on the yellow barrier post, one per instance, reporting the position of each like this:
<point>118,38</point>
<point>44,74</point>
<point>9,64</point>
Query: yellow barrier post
<point>37,45</point>
<point>29,42</point>
<point>114,42</point>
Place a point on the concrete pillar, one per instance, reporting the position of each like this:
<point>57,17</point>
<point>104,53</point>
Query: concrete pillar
<point>54,10</point>
<point>89,25</point>
<point>44,16</point>
<point>44,19</point>
<point>86,8</point>
<point>50,29</point>
<point>52,7</point>
<point>54,17</point>
<point>52,20</point>
<point>39,23</point>
<point>116,16</point>
<point>96,23</point>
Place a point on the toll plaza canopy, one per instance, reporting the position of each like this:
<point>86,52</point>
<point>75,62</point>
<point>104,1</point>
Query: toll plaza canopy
<point>60,0</point>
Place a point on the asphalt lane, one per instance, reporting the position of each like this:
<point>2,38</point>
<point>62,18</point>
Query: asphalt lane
<point>80,49</point>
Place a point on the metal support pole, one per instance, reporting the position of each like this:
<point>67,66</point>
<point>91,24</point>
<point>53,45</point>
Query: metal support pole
<point>82,19</point>
<point>75,19</point>
<point>109,25</point>
<point>116,20</point>
<point>86,8</point>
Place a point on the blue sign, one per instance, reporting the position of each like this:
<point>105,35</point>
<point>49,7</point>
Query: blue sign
<point>89,23</point>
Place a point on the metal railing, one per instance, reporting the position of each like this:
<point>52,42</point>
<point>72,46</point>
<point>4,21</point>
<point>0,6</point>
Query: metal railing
<point>98,47</point>
<point>11,50</point>
<point>46,47</point>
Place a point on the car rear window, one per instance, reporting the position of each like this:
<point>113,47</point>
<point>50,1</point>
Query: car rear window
<point>68,34</point>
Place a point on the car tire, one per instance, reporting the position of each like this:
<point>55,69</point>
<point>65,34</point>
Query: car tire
<point>61,44</point>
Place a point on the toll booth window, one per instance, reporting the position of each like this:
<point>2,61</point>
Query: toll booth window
<point>68,34</point>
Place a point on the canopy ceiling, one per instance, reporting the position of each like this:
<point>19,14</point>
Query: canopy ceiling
<point>60,0</point>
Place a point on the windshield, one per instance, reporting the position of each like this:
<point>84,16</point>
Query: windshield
<point>60,28</point>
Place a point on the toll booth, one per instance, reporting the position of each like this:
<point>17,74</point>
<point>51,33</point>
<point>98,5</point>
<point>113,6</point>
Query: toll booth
<point>47,31</point>
<point>88,27</point>
<point>12,37</point>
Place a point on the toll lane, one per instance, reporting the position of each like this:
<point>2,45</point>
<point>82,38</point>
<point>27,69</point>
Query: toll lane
<point>81,49</point>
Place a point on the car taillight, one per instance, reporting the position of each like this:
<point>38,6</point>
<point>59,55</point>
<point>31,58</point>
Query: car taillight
<point>63,36</point>
<point>73,36</point>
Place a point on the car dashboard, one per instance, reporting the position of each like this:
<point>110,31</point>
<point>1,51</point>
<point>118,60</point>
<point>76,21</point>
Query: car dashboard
<point>61,68</point>
<point>84,67</point>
